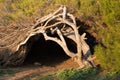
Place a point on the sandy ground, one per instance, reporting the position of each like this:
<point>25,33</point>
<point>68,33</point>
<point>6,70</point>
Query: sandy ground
<point>25,71</point>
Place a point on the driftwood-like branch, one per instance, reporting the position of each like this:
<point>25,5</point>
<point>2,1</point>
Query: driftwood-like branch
<point>60,43</point>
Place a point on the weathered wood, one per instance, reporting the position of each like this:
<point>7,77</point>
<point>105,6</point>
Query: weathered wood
<point>60,22</point>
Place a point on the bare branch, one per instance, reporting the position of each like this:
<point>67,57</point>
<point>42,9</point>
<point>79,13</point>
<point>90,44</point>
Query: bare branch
<point>60,43</point>
<point>72,17</point>
<point>51,19</point>
<point>61,37</point>
<point>43,19</point>
<point>64,12</point>
<point>77,36</point>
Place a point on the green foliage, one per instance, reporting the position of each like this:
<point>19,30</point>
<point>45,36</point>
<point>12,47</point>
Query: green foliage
<point>80,74</point>
<point>110,11</point>
<point>105,11</point>
<point>65,74</point>
<point>73,74</point>
<point>91,8</point>
<point>113,75</point>
<point>17,9</point>
<point>109,56</point>
<point>71,3</point>
<point>28,7</point>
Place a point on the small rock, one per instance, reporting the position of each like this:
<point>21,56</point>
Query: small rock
<point>37,64</point>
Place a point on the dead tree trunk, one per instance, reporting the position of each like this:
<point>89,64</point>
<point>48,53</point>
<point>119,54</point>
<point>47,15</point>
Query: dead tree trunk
<point>61,23</point>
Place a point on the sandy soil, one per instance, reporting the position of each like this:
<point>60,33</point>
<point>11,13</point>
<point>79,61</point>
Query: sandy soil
<point>25,71</point>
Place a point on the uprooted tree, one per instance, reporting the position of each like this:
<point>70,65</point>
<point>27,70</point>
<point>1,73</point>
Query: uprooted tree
<point>15,46</point>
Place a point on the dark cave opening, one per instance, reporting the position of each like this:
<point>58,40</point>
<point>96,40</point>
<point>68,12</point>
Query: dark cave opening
<point>44,52</point>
